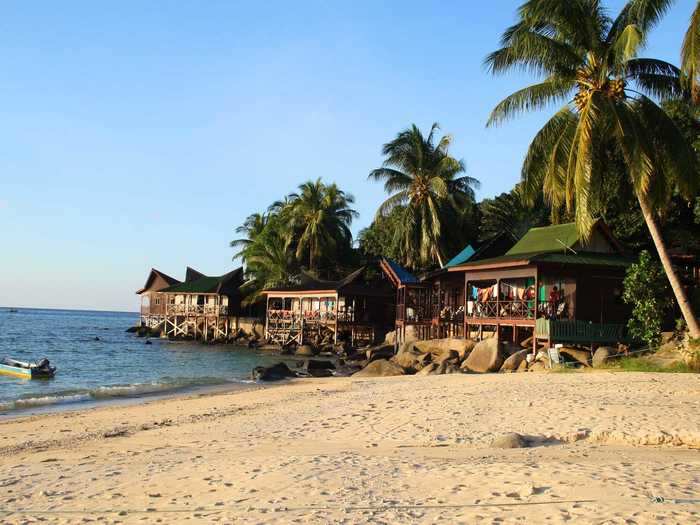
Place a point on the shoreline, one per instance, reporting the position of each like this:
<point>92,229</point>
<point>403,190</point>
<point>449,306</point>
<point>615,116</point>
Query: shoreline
<point>368,450</point>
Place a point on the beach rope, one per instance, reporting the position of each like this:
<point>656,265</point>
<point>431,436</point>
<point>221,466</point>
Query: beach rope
<point>655,500</point>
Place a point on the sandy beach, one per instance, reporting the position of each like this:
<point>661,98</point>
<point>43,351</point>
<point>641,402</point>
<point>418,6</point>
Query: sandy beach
<point>600,446</point>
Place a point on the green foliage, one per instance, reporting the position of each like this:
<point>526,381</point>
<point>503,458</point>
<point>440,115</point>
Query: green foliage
<point>433,197</point>
<point>641,364</point>
<point>590,61</point>
<point>646,288</point>
<point>305,230</point>
<point>509,213</point>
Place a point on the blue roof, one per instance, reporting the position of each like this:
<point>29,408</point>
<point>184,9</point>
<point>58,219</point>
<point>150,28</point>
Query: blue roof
<point>403,275</point>
<point>461,257</point>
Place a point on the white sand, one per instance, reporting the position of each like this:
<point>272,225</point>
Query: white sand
<point>394,450</point>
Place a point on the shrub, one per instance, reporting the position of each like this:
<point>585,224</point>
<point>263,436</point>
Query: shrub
<point>647,289</point>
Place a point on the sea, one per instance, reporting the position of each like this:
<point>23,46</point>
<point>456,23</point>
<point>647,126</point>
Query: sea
<point>98,361</point>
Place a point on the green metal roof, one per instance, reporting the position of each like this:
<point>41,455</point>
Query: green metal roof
<point>580,258</point>
<point>555,238</point>
<point>201,285</point>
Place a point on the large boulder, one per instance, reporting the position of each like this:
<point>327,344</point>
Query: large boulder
<point>438,346</point>
<point>581,356</point>
<point>485,357</point>
<point>379,352</point>
<point>409,357</point>
<point>537,366</point>
<point>390,337</point>
<point>602,355</point>
<point>305,350</point>
<point>509,440</point>
<point>380,368</point>
<point>428,370</point>
<point>514,361</point>
<point>272,373</point>
<point>447,356</point>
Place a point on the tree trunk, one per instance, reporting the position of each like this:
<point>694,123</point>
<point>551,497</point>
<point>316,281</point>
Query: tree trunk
<point>678,290</point>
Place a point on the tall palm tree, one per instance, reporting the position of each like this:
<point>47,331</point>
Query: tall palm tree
<point>251,228</point>
<point>690,54</point>
<point>590,62</point>
<point>421,176</point>
<point>319,220</point>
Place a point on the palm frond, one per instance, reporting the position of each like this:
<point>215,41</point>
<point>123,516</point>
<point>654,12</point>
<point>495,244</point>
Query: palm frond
<point>531,98</point>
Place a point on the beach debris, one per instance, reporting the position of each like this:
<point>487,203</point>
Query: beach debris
<point>380,368</point>
<point>485,357</point>
<point>117,432</point>
<point>509,440</point>
<point>275,372</point>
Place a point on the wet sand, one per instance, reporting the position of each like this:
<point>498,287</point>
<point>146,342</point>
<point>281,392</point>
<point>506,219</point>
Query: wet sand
<point>601,447</point>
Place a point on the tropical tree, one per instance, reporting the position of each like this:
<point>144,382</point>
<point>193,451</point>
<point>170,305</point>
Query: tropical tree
<point>590,62</point>
<point>509,213</point>
<point>251,228</point>
<point>422,177</point>
<point>319,221</point>
<point>690,53</point>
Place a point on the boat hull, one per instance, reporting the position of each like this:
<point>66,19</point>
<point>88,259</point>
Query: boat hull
<point>24,373</point>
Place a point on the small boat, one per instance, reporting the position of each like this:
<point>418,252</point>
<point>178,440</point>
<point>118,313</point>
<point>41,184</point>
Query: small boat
<point>42,369</point>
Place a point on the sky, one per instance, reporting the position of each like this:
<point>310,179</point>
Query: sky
<point>140,134</point>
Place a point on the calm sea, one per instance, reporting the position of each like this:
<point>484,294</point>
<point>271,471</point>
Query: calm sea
<point>98,360</point>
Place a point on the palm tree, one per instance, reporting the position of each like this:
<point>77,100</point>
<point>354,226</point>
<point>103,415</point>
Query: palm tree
<point>319,220</point>
<point>690,54</point>
<point>508,213</point>
<point>251,228</point>
<point>421,176</point>
<point>590,62</point>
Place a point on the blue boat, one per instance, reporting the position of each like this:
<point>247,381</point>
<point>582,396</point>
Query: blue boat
<point>42,369</point>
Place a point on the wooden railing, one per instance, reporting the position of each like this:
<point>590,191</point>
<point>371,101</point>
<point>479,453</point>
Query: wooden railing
<point>197,309</point>
<point>517,309</point>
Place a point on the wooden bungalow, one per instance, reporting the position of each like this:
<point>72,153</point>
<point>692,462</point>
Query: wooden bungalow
<point>201,307</point>
<point>552,284</point>
<point>413,302</point>
<point>358,308</point>
<point>152,300</point>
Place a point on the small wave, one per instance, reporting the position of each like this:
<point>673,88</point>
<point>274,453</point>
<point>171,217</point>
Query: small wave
<point>111,392</point>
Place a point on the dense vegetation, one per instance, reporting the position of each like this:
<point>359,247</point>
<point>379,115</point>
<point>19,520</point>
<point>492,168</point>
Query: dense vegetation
<point>624,146</point>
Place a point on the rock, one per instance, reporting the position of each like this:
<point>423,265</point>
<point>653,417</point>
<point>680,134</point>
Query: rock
<point>447,367</point>
<point>390,338</point>
<point>522,367</point>
<point>408,357</point>
<point>132,329</point>
<point>514,361</point>
<point>428,370</point>
<point>527,343</point>
<point>602,355</point>
<point>272,373</point>
<point>509,348</point>
<point>582,356</point>
<point>148,342</point>
<point>485,357</point>
<point>537,366</point>
<point>318,364</point>
<point>318,372</point>
<point>447,356</point>
<point>380,368</point>
<point>305,350</point>
<point>510,440</point>
<point>380,352</point>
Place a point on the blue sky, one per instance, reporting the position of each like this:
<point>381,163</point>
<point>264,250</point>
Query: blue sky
<point>140,134</point>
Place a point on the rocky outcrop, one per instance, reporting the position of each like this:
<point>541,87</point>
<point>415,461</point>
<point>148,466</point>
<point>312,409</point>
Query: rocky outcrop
<point>379,352</point>
<point>485,357</point>
<point>272,373</point>
<point>514,361</point>
<point>380,368</point>
<point>581,356</point>
<point>602,355</point>
<point>305,351</point>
